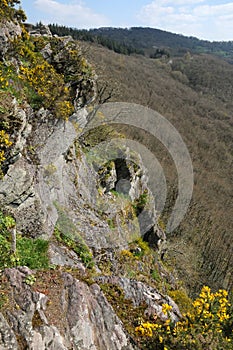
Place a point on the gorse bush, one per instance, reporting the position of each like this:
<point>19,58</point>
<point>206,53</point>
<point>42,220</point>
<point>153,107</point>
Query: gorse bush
<point>207,326</point>
<point>4,143</point>
<point>49,88</point>
<point>50,84</point>
<point>43,85</point>
<point>8,11</point>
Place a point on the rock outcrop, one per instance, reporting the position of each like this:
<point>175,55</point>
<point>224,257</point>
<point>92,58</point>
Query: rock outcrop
<point>87,320</point>
<point>49,181</point>
<point>8,31</point>
<point>140,293</point>
<point>56,190</point>
<point>51,184</point>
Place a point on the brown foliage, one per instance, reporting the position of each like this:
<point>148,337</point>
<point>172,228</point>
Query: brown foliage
<point>198,102</point>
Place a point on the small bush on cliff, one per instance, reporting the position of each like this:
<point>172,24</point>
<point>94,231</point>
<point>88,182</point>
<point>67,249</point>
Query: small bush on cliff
<point>77,245</point>
<point>66,233</point>
<point>29,252</point>
<point>33,252</point>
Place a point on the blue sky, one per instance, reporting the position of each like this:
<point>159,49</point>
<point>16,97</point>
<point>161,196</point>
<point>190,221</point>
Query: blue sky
<point>211,20</point>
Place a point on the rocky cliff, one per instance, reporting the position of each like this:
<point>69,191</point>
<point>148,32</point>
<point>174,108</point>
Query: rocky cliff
<point>82,247</point>
<point>53,190</point>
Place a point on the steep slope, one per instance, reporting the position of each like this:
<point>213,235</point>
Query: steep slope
<point>195,94</point>
<point>61,228</point>
<point>75,270</point>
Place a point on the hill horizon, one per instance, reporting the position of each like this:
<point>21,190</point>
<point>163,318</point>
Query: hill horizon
<point>146,40</point>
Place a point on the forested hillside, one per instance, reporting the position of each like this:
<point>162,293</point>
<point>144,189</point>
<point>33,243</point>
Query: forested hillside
<point>146,41</point>
<point>195,93</point>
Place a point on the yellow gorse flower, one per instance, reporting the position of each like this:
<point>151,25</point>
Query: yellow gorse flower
<point>147,328</point>
<point>166,308</point>
<point>206,322</point>
<point>4,143</point>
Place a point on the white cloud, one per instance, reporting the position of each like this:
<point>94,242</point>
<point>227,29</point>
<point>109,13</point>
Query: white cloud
<point>214,10</point>
<point>73,14</point>
<point>180,2</point>
<point>189,17</point>
<point>163,15</point>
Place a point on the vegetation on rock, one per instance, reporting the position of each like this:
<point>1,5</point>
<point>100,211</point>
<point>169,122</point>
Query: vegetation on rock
<point>29,252</point>
<point>49,73</point>
<point>77,245</point>
<point>208,325</point>
<point>9,12</point>
<point>66,233</point>
<point>4,143</point>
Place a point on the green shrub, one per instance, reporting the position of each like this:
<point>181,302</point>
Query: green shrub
<point>29,252</point>
<point>140,202</point>
<point>5,244</point>
<point>30,280</point>
<point>33,252</point>
<point>77,244</point>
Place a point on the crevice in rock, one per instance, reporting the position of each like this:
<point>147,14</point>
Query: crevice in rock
<point>122,184</point>
<point>151,237</point>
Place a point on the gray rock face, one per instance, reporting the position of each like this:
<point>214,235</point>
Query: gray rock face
<point>8,31</point>
<point>88,320</point>
<point>56,185</point>
<point>92,321</point>
<point>51,182</point>
<point>17,185</point>
<point>62,256</point>
<point>40,30</point>
<point>139,292</point>
<point>56,180</point>
<point>7,336</point>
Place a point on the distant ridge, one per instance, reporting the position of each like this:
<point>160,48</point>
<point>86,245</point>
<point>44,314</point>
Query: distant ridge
<point>146,41</point>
